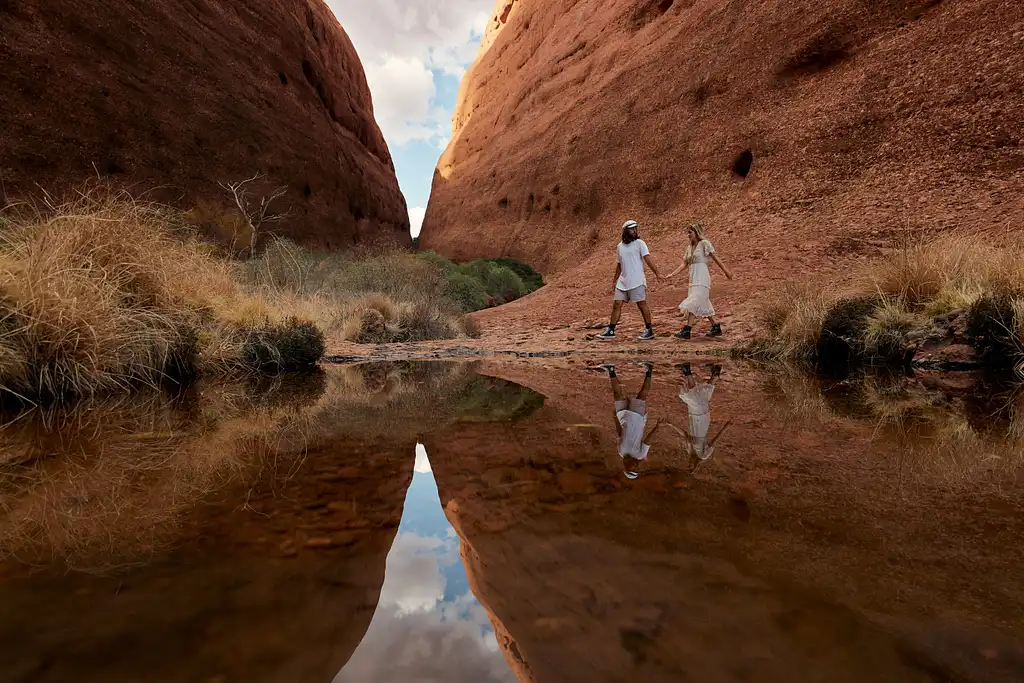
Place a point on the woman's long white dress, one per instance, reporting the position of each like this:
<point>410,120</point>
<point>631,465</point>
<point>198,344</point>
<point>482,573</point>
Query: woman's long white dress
<point>698,405</point>
<point>698,297</point>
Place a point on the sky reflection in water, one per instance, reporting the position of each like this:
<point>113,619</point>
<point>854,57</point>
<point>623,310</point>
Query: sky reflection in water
<point>428,626</point>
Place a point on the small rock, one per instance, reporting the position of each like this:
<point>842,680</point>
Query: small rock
<point>322,542</point>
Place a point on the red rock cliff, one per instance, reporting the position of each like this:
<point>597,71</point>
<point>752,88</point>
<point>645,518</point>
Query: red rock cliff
<point>797,129</point>
<point>185,96</point>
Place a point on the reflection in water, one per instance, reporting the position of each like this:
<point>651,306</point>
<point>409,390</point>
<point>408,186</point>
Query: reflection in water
<point>631,420</point>
<point>697,395</point>
<point>428,626</point>
<point>869,532</point>
<point>631,416</point>
<point>102,483</point>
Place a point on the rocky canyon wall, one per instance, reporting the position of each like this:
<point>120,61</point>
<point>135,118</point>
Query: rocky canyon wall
<point>183,96</point>
<point>788,126</point>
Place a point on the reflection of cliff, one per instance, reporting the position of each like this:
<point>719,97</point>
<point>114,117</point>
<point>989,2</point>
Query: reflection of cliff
<point>272,575</point>
<point>277,587</point>
<point>795,554</point>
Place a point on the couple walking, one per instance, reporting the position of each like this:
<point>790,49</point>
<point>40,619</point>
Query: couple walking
<point>631,281</point>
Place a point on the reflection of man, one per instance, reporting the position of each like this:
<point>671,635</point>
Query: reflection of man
<point>697,397</point>
<point>631,421</point>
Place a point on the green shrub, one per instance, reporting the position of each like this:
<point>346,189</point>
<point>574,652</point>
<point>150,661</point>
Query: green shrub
<point>441,262</point>
<point>294,345</point>
<point>530,277</point>
<point>500,282</point>
<point>466,291</point>
<point>995,328</point>
<point>503,284</point>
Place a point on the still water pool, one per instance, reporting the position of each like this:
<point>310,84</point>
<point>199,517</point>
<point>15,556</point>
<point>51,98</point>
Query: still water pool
<point>519,521</point>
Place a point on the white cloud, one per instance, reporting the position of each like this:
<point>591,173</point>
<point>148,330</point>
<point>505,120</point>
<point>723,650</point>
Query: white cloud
<point>415,582</point>
<point>403,100</point>
<point>404,45</point>
<point>416,215</point>
<point>427,647</point>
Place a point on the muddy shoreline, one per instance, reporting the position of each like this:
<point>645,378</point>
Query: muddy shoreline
<point>349,354</point>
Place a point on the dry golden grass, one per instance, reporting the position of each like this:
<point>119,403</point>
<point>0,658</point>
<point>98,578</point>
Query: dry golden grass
<point>949,272</point>
<point>791,318</point>
<point>378,297</point>
<point>106,293</point>
<point>914,285</point>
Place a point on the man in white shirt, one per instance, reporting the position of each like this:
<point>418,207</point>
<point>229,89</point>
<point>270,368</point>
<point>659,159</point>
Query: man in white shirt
<point>631,281</point>
<point>631,421</point>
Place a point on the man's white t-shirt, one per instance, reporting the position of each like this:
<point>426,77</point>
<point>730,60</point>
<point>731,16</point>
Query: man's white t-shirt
<point>632,442</point>
<point>631,258</point>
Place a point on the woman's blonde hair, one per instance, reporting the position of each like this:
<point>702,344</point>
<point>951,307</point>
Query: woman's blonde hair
<point>699,230</point>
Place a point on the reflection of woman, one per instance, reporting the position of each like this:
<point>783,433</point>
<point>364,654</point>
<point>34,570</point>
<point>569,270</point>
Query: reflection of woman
<point>631,421</point>
<point>697,397</point>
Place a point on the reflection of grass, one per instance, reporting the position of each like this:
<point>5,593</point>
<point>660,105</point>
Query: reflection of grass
<point>109,479</point>
<point>928,430</point>
<point>104,482</point>
<point>495,400</point>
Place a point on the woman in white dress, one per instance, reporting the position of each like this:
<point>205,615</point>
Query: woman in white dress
<point>697,398</point>
<point>698,297</point>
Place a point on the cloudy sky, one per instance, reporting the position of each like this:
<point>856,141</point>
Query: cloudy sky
<point>428,626</point>
<point>414,53</point>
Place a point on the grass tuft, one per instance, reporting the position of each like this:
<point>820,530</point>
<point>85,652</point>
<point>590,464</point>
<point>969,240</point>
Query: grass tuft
<point>106,293</point>
<point>904,299</point>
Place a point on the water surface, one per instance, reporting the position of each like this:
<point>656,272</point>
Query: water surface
<point>518,521</point>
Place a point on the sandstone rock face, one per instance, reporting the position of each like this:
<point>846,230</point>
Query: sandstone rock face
<point>282,590</point>
<point>819,128</point>
<point>184,96</point>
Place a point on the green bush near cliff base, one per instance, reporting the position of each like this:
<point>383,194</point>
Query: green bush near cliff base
<point>502,279</point>
<point>466,291</point>
<point>530,277</point>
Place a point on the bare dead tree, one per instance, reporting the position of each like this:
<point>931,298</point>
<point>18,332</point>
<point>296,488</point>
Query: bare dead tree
<point>255,213</point>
